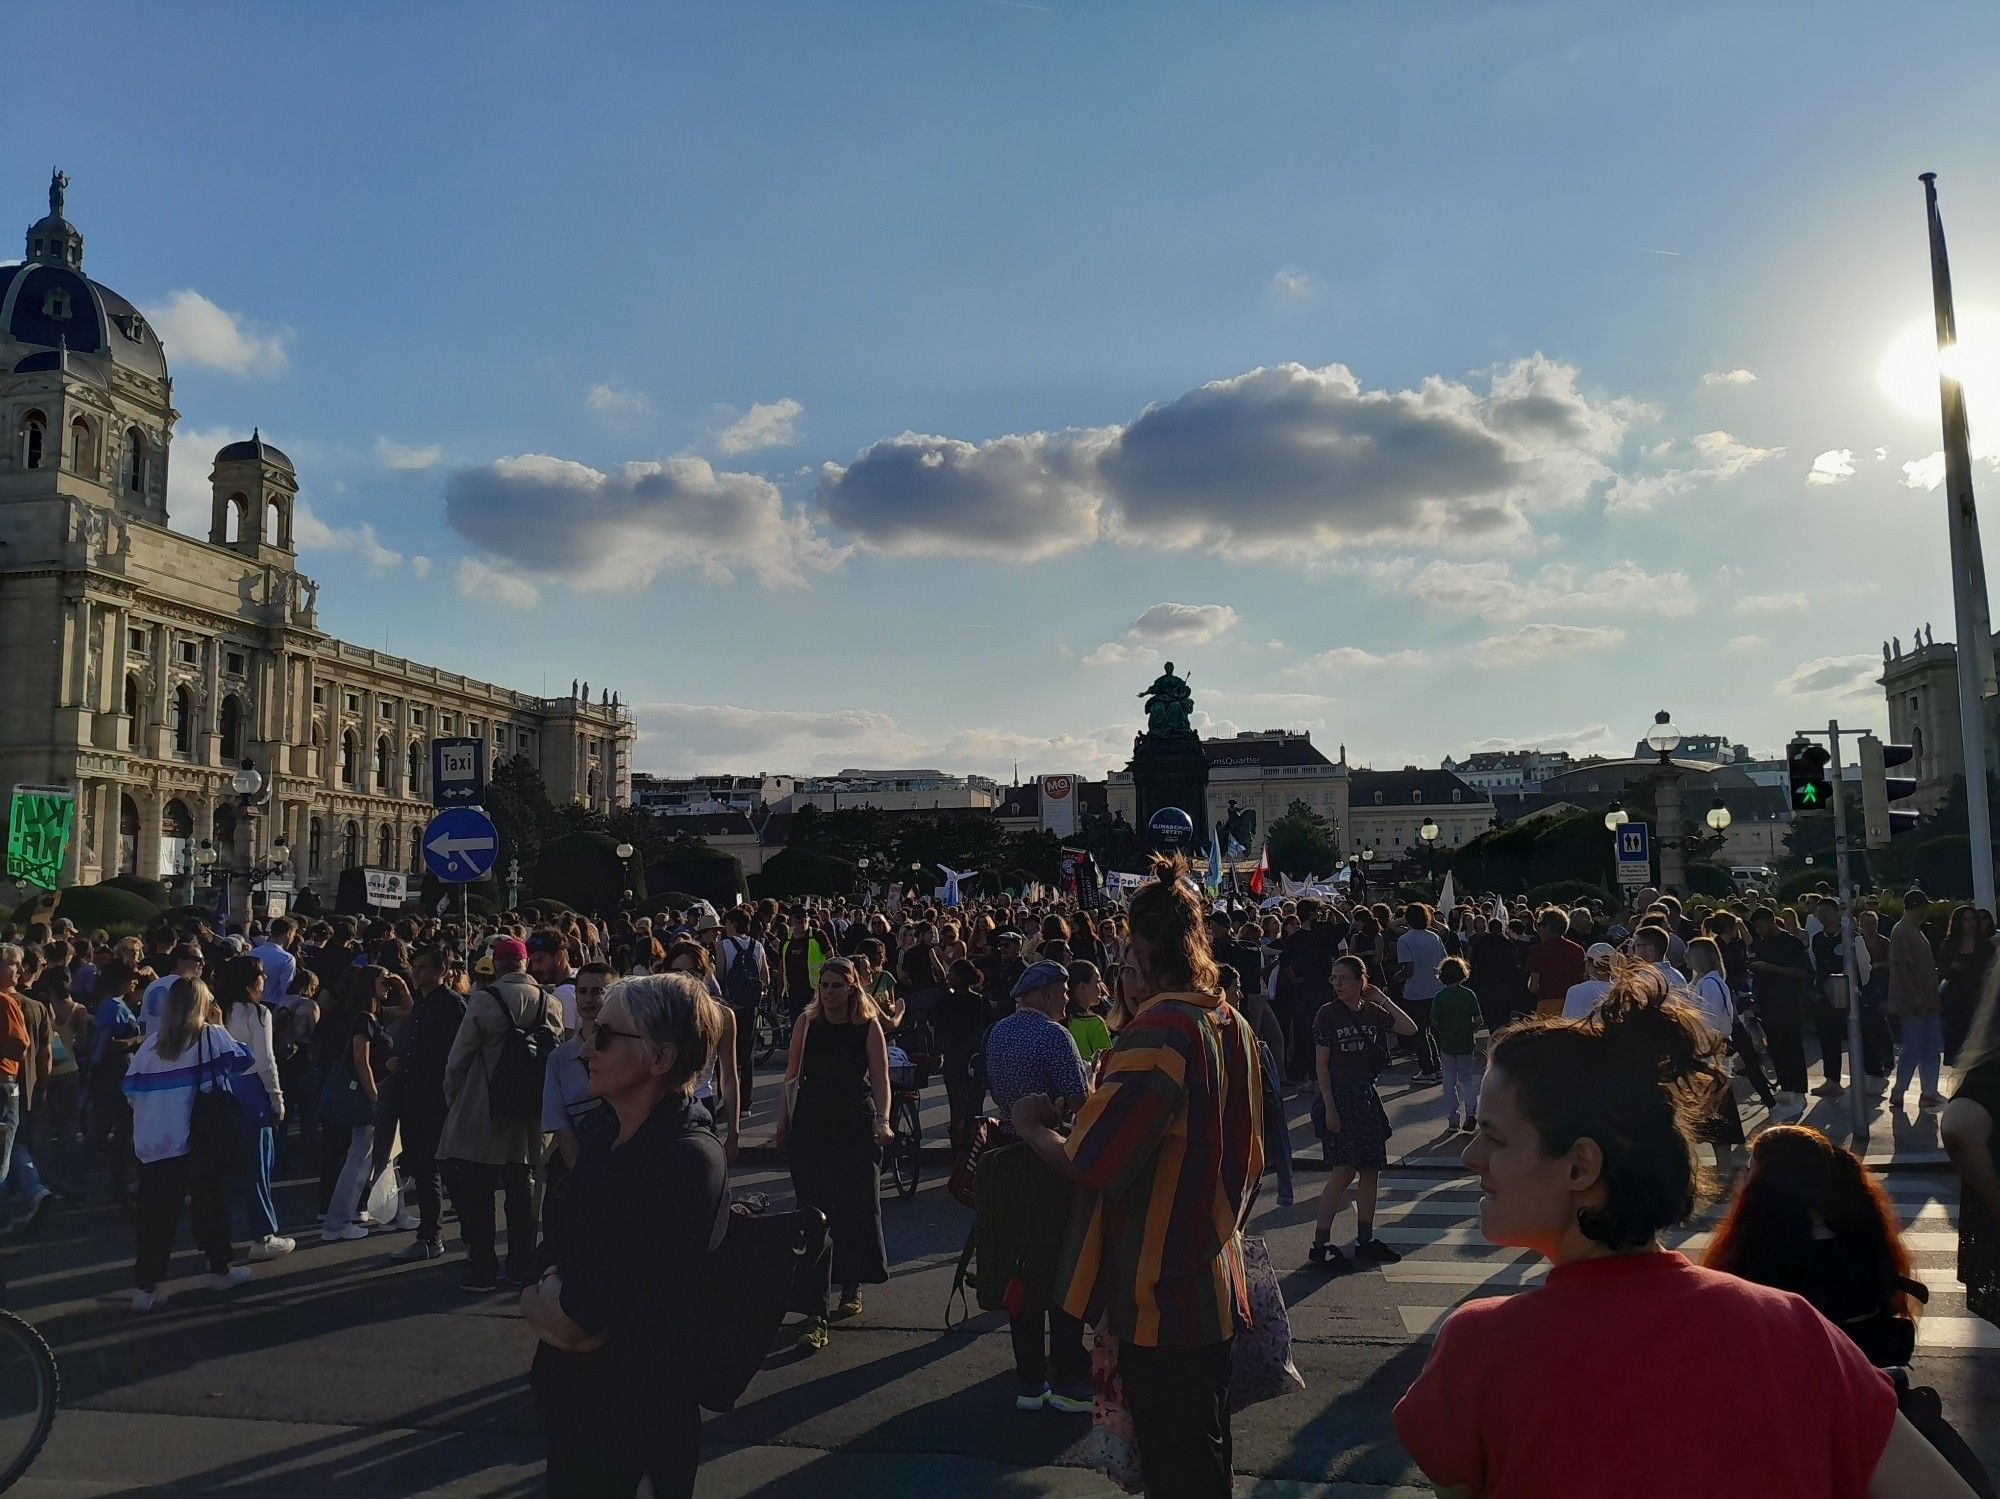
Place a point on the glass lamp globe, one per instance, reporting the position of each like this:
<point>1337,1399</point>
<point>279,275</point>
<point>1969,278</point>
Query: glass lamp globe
<point>1665,738</point>
<point>1429,831</point>
<point>246,781</point>
<point>1719,817</point>
<point>1615,817</point>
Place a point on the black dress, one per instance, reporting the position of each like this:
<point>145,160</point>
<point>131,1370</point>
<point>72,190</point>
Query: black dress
<point>1978,1233</point>
<point>836,1164</point>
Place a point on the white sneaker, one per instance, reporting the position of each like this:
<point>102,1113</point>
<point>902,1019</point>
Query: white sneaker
<point>345,1232</point>
<point>145,1301</point>
<point>271,1246</point>
<point>404,1222</point>
<point>227,1280</point>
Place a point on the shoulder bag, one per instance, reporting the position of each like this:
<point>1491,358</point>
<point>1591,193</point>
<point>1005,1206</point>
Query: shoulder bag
<point>747,1284</point>
<point>1260,1356</point>
<point>215,1119</point>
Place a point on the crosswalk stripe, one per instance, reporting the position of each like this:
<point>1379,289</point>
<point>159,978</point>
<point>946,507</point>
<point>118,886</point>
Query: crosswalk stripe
<point>1933,1332</point>
<point>1387,1210</point>
<point>1390,1231</point>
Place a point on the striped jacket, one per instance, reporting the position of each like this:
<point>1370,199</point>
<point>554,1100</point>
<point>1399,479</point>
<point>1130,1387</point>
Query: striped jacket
<point>1166,1150</point>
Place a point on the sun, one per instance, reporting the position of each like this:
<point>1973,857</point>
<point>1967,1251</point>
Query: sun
<point>1908,370</point>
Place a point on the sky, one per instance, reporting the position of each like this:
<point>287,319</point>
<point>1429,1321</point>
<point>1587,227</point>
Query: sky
<point>867,385</point>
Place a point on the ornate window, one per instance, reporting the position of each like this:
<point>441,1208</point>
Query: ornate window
<point>34,439</point>
<point>128,726</point>
<point>135,460</point>
<point>315,845</point>
<point>180,719</point>
<point>385,847</point>
<point>415,784</point>
<point>82,450</point>
<point>349,755</point>
<point>229,723</point>
<point>382,763</point>
<point>350,845</point>
<point>417,850</point>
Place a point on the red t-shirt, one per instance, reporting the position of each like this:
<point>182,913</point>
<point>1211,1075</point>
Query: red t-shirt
<point>1642,1375</point>
<point>1559,962</point>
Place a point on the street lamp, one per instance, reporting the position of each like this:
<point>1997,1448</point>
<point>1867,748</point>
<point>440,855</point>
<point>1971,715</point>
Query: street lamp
<point>1429,833</point>
<point>1665,738</point>
<point>1719,817</point>
<point>1615,817</point>
<point>1663,741</point>
<point>623,851</point>
<point>246,781</point>
<point>205,855</point>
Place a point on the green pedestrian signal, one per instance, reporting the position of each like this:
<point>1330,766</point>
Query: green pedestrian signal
<point>1805,773</point>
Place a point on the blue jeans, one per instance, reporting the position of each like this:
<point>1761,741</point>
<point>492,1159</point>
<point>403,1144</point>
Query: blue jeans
<point>1923,1049</point>
<point>23,1183</point>
<point>250,1189</point>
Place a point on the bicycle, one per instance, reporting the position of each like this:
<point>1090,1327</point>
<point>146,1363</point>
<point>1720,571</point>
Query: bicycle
<point>773,1027</point>
<point>30,1393</point>
<point>903,1156</point>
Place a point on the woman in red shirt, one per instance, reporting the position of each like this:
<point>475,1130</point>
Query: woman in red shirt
<point>1631,1371</point>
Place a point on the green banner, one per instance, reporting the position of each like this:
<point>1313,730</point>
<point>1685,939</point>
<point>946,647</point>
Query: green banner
<point>38,827</point>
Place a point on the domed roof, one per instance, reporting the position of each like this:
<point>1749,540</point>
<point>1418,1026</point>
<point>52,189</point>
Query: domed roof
<point>254,448</point>
<point>48,304</point>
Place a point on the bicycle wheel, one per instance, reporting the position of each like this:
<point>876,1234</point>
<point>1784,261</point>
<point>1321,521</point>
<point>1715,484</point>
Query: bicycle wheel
<point>907,1146</point>
<point>769,1033</point>
<point>30,1391</point>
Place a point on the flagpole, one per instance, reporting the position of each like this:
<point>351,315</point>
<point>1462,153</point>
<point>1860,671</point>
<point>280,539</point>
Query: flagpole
<point>1968,566</point>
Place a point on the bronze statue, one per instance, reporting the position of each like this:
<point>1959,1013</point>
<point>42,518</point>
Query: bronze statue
<point>1169,705</point>
<point>58,184</point>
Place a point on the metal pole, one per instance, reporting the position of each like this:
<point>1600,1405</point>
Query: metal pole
<point>1968,567</point>
<point>1857,1101</point>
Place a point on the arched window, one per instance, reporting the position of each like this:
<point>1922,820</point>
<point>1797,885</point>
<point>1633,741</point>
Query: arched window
<point>223,827</point>
<point>1416,798</point>
<point>385,847</point>
<point>415,785</point>
<point>176,839</point>
<point>34,439</point>
<point>318,735</point>
<point>1458,796</point>
<point>350,844</point>
<point>349,758</point>
<point>229,723</point>
<point>274,523</point>
<point>135,460</point>
<point>417,849</point>
<point>82,451</point>
<point>1378,798</point>
<point>232,520</point>
<point>128,835</point>
<point>382,763</point>
<point>180,719</point>
<point>590,794</point>
<point>128,727</point>
<point>315,845</point>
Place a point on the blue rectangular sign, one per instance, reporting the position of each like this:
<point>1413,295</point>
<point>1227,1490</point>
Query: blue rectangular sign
<point>1635,843</point>
<point>458,772</point>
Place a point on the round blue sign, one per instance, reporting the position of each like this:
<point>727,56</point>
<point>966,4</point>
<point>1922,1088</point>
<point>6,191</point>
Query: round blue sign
<point>1172,827</point>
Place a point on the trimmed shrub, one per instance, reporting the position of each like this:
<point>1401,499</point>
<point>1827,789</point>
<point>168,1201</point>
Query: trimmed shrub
<point>147,890</point>
<point>1565,893</point>
<point>94,906</point>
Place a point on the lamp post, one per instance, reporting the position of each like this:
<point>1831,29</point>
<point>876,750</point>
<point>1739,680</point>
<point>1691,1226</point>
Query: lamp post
<point>623,853</point>
<point>1615,817</point>
<point>1367,857</point>
<point>1663,741</point>
<point>205,857</point>
<point>248,784</point>
<point>1429,833</point>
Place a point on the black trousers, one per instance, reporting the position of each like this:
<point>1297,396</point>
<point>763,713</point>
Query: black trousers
<point>964,1090</point>
<point>588,1461</point>
<point>1180,1418</point>
<point>746,1047</point>
<point>1746,1051</point>
<point>1831,1026</point>
<point>1785,1031</point>
<point>163,1187</point>
<point>1065,1362</point>
<point>1423,1045</point>
<point>473,1184</point>
<point>420,1165</point>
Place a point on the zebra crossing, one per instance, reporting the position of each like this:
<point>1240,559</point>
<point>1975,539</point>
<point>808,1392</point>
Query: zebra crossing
<point>1434,1224</point>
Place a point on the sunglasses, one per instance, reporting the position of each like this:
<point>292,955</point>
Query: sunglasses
<point>599,1041</point>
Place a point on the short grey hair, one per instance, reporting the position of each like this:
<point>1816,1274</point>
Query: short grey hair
<point>11,952</point>
<point>672,1009</point>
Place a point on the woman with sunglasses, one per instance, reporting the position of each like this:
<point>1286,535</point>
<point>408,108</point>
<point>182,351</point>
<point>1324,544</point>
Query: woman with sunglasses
<point>619,1290</point>
<point>833,1123</point>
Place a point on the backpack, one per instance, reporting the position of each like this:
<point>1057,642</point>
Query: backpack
<point>1013,1251</point>
<point>742,983</point>
<point>514,1086</point>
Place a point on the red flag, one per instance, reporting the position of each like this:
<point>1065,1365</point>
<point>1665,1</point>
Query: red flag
<point>1257,874</point>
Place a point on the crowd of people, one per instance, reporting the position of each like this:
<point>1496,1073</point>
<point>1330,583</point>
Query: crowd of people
<point>595,1077</point>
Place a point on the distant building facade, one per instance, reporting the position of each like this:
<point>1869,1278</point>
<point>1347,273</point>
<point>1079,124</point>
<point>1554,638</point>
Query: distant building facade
<point>1508,772</point>
<point>148,665</point>
<point>1920,683</point>
<point>1263,771</point>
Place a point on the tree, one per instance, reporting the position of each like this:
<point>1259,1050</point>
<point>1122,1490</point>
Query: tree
<point>522,813</point>
<point>1301,843</point>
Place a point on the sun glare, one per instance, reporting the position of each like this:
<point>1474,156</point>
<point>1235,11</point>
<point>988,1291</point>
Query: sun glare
<point>1908,369</point>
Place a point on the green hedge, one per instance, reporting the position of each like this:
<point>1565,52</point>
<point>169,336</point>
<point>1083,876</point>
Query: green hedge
<point>148,890</point>
<point>1564,892</point>
<point>94,906</point>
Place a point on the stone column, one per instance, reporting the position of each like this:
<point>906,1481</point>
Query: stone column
<point>74,855</point>
<point>149,802</point>
<point>111,694</point>
<point>109,814</point>
<point>77,665</point>
<point>1673,861</point>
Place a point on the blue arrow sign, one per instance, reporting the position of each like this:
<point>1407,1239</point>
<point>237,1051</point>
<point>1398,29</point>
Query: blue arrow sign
<point>461,844</point>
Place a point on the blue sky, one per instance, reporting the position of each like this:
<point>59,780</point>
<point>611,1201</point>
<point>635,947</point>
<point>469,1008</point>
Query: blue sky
<point>849,384</point>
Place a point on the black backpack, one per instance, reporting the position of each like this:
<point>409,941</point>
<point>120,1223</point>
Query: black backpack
<point>514,1087</point>
<point>742,983</point>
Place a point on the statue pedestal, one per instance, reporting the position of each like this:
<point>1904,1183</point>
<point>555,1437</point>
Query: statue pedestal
<point>1169,772</point>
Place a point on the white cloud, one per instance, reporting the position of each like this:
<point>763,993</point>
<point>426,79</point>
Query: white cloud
<point>1280,461</point>
<point>420,565</point>
<point>1717,456</point>
<point>1588,739</point>
<point>1746,642</point>
<point>1773,603</point>
<point>1541,642</point>
<point>311,534</point>
<point>1924,473</point>
<point>1835,676</point>
<point>552,517</point>
<point>406,457</point>
<point>200,335</point>
<point>767,424</point>
<point>1192,624</point>
<point>1490,588</point>
<point>1880,454</point>
<point>610,402</point>
<point>493,585</point>
<point>1116,653</point>
<point>1832,466</point>
<point>1294,286</point>
<point>189,494</point>
<point>1728,377</point>
<point>1346,659</point>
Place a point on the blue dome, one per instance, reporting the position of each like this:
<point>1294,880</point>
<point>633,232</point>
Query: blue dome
<point>253,447</point>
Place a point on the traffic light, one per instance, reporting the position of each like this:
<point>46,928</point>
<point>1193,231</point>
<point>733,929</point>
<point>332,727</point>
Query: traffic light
<point>1881,821</point>
<point>1805,771</point>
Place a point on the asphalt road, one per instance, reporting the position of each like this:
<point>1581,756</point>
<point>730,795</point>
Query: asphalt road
<point>337,1367</point>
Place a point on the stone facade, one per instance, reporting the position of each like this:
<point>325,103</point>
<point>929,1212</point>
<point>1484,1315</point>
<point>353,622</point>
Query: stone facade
<point>1920,683</point>
<point>146,665</point>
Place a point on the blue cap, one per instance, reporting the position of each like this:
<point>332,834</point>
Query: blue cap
<point>1039,976</point>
